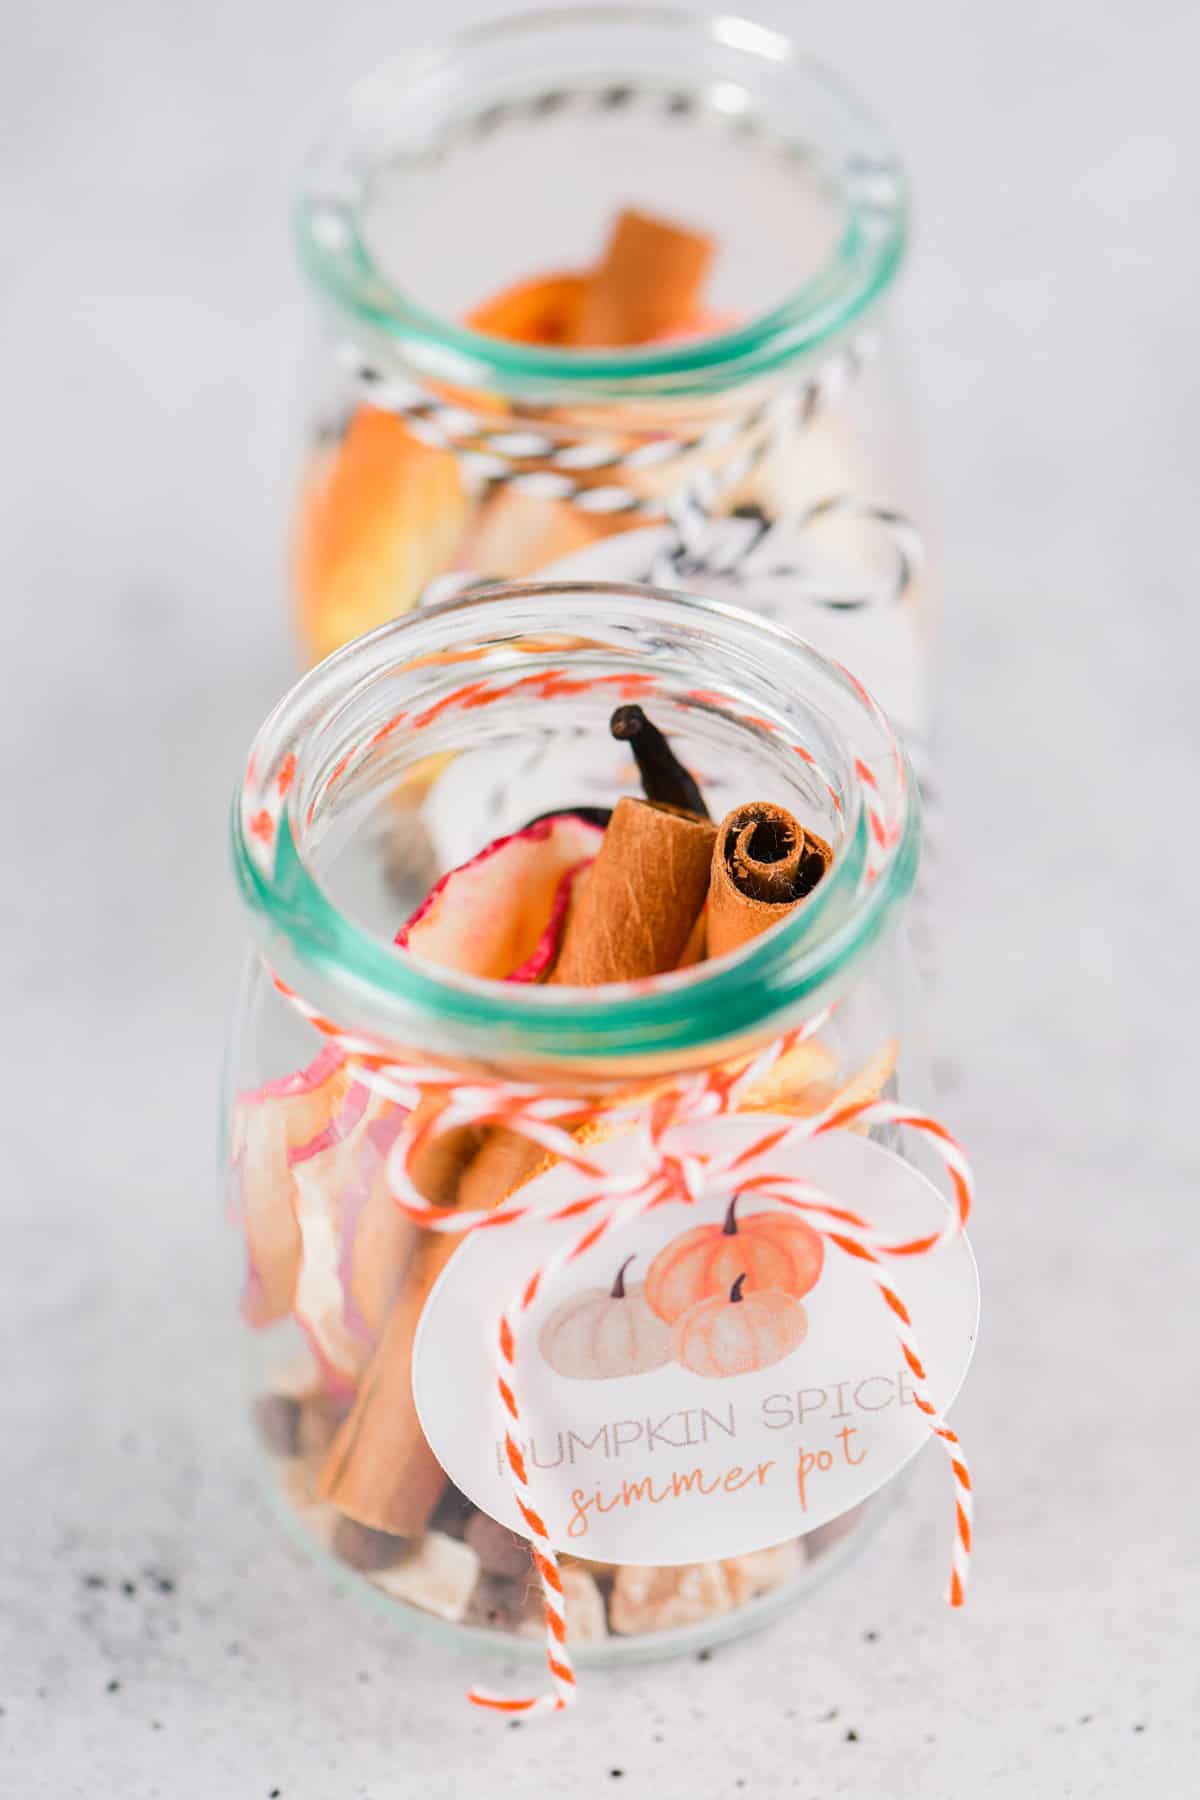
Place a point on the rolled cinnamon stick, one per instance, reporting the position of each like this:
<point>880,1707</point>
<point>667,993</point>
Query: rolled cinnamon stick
<point>649,281</point>
<point>379,1469</point>
<point>636,906</point>
<point>764,862</point>
<point>636,913</point>
<point>505,1160</point>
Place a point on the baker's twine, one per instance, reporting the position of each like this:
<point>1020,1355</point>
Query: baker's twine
<point>266,786</point>
<point>664,1173</point>
<point>492,455</point>
<point>446,425</point>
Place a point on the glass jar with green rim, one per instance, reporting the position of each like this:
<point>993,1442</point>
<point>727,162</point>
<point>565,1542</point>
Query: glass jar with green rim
<point>447,221</point>
<point>472,724</point>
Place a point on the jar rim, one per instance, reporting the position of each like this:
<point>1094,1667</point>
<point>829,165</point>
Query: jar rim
<point>315,949</point>
<point>819,311</point>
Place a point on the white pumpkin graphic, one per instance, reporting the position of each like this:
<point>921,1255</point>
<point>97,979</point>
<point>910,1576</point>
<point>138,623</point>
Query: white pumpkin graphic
<point>599,1333</point>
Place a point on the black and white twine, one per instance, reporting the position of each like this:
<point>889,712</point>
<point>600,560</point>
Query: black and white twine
<point>492,456</point>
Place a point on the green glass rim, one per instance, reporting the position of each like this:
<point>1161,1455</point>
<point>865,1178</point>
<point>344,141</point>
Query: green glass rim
<point>770,984</point>
<point>821,310</point>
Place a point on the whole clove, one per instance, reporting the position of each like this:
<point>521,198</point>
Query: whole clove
<point>664,778</point>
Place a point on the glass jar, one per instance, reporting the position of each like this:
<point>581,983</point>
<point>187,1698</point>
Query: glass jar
<point>469,722</point>
<point>440,448</point>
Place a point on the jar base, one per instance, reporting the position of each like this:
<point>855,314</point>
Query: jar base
<point>418,1585</point>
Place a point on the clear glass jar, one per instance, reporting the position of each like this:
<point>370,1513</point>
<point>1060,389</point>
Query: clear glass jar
<point>463,172</point>
<point>465,722</point>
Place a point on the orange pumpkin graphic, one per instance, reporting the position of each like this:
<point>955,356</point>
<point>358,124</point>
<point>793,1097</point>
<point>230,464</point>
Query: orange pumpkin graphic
<point>768,1249</point>
<point>738,1333</point>
<point>604,1332</point>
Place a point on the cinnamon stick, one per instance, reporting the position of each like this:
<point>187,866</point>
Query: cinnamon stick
<point>637,913</point>
<point>269,1125</point>
<point>380,1470</point>
<point>637,904</point>
<point>505,1160</point>
<point>648,282</point>
<point>764,863</point>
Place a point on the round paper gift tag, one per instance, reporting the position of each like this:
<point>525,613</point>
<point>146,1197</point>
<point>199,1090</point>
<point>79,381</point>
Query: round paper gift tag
<point>701,1382</point>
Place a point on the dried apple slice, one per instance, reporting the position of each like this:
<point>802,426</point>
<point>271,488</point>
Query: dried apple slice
<point>380,1240</point>
<point>309,1151</point>
<point>801,1080</point>
<point>804,1082</point>
<point>540,963</point>
<point>268,1125</point>
<point>355,1243</point>
<point>502,913</point>
<point>869,1081</point>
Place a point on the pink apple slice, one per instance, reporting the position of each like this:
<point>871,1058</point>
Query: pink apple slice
<point>545,952</point>
<point>501,914</point>
<point>337,1180</point>
<point>269,1123</point>
<point>378,1240</point>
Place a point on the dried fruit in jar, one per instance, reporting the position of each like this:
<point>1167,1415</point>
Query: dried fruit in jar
<point>380,515</point>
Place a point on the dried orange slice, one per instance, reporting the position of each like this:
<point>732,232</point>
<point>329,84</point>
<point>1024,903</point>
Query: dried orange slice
<point>380,515</point>
<point>543,309</point>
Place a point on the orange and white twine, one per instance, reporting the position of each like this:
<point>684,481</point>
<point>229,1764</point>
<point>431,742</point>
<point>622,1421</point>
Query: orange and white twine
<point>265,790</point>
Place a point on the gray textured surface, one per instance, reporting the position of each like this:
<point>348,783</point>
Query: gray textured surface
<point>152,328</point>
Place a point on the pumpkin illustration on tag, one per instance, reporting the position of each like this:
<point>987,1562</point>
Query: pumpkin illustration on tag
<point>768,1250</point>
<point>600,1333</point>
<point>736,1334</point>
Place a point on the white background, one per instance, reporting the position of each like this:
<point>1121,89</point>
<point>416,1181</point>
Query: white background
<point>151,327</point>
